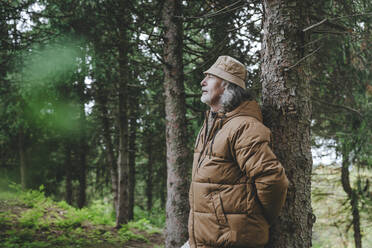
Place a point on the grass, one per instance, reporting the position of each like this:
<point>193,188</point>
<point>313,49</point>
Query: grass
<point>30,219</point>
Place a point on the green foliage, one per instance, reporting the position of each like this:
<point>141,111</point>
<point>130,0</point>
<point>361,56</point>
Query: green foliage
<point>47,74</point>
<point>41,222</point>
<point>32,198</point>
<point>105,210</point>
<point>45,65</point>
<point>6,218</point>
<point>125,234</point>
<point>144,225</point>
<point>31,218</point>
<point>23,238</point>
<point>156,217</point>
<point>96,214</point>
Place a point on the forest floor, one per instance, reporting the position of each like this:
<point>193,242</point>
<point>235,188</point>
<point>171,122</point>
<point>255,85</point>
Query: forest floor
<point>30,220</point>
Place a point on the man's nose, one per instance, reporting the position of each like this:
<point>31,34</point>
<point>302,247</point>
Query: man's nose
<point>203,82</point>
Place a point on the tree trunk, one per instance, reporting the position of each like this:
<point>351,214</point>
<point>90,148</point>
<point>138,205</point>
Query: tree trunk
<point>353,196</point>
<point>103,89</point>
<point>132,151</point>
<point>22,157</point>
<point>102,99</point>
<point>149,172</point>
<point>123,163</point>
<point>163,192</point>
<point>122,216</point>
<point>68,168</point>
<point>82,135</point>
<point>287,112</point>
<point>177,208</point>
<point>82,173</point>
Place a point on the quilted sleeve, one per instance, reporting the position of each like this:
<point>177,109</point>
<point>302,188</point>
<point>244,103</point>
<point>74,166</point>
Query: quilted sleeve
<point>256,159</point>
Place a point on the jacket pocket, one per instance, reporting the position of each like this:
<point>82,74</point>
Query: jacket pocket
<point>218,208</point>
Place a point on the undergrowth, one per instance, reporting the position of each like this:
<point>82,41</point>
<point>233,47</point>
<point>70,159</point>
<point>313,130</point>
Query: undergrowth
<point>30,219</point>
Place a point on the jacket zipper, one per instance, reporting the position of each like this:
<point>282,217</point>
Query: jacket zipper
<point>206,140</point>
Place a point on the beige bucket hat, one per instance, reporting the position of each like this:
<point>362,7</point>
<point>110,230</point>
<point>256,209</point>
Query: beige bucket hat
<point>229,69</point>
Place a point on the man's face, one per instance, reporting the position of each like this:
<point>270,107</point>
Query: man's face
<point>212,89</point>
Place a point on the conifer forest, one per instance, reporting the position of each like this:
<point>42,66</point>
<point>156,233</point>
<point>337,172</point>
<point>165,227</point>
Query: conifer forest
<point>100,110</point>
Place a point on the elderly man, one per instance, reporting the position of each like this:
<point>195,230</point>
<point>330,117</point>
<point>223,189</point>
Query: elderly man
<point>238,185</point>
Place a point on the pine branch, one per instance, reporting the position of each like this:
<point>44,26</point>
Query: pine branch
<point>302,59</point>
<point>338,106</point>
<point>315,25</point>
<point>222,11</point>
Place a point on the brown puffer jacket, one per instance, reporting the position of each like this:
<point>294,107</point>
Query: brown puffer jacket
<point>238,186</point>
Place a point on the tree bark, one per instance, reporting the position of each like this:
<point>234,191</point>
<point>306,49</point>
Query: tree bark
<point>103,90</point>
<point>149,172</point>
<point>22,157</point>
<point>132,151</point>
<point>102,100</point>
<point>82,135</point>
<point>353,197</point>
<point>68,168</point>
<point>82,170</point>
<point>163,185</point>
<point>123,163</point>
<point>287,112</point>
<point>122,216</point>
<point>177,207</point>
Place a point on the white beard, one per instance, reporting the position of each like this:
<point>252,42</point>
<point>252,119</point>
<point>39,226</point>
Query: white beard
<point>186,245</point>
<point>205,98</point>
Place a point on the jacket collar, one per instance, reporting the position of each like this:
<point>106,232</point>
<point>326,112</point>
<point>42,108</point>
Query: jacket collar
<point>246,108</point>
